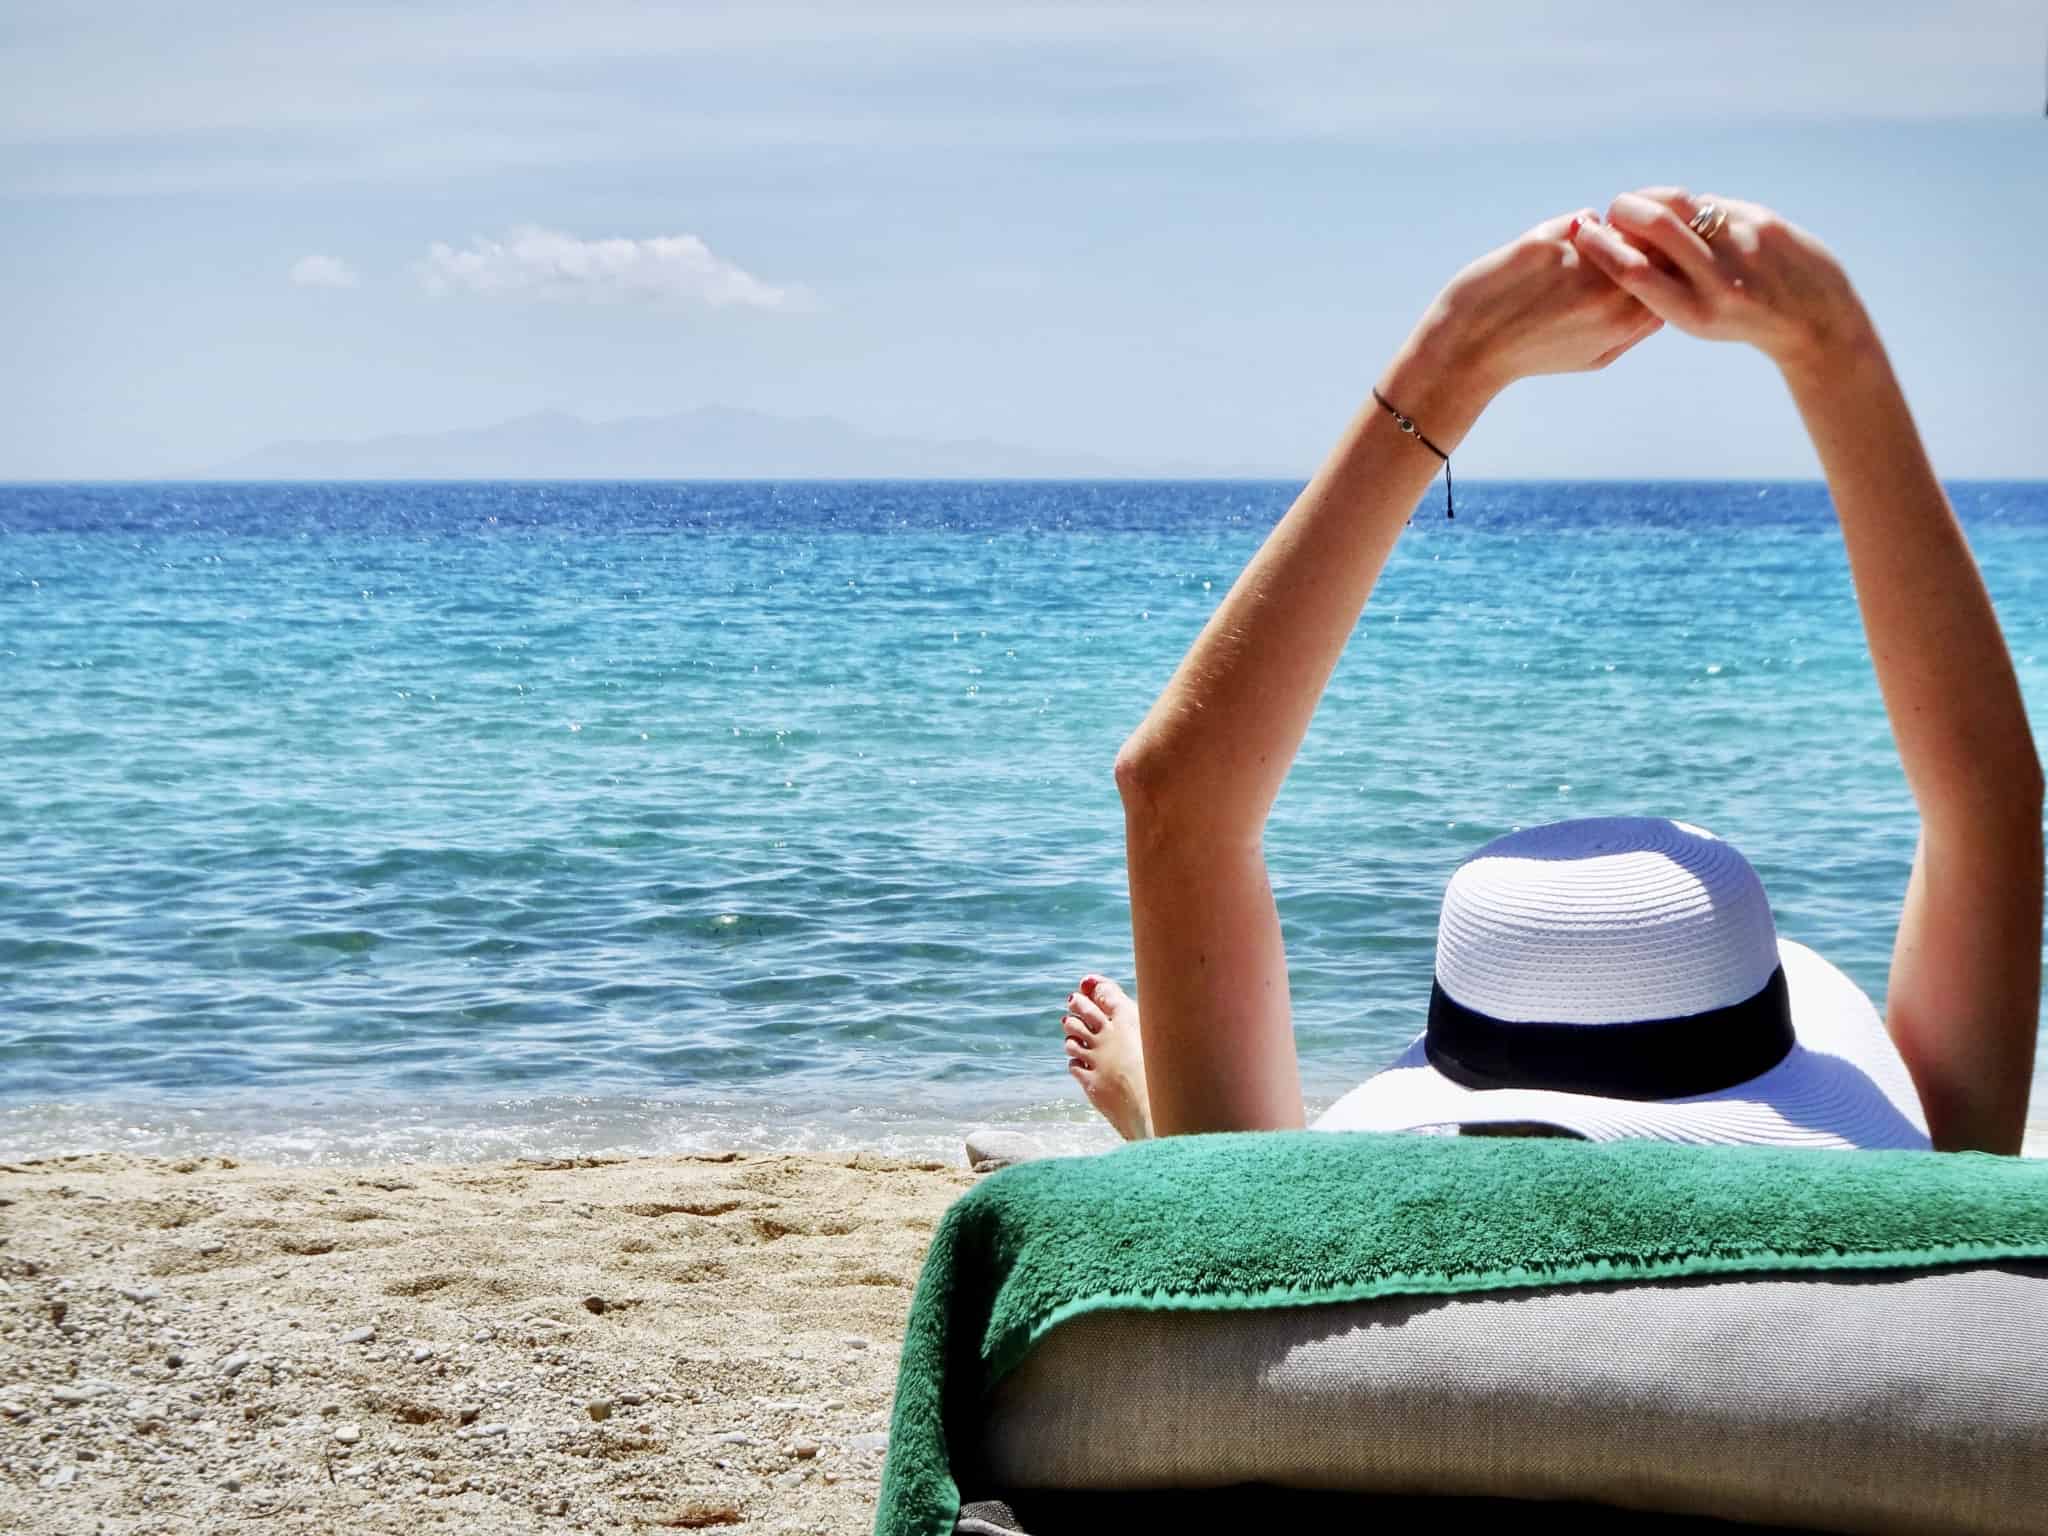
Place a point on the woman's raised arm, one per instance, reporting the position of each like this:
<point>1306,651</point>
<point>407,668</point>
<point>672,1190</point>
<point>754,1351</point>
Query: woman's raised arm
<point>1964,999</point>
<point>1201,771</point>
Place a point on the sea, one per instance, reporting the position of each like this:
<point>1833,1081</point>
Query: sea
<point>353,822</point>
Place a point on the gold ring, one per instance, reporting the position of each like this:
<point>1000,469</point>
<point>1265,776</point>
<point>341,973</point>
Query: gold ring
<point>1708,221</point>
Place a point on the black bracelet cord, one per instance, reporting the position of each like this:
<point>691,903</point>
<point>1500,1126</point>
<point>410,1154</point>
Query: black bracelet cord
<point>1407,424</point>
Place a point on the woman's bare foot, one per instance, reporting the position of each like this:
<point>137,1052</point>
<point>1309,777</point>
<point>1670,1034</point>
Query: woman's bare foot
<point>1105,1055</point>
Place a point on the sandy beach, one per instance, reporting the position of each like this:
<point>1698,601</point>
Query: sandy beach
<point>647,1344</point>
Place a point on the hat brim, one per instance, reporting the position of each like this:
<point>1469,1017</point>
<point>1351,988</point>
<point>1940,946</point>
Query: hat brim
<point>1843,1085</point>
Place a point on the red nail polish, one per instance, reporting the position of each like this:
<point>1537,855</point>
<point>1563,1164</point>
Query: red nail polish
<point>1573,231</point>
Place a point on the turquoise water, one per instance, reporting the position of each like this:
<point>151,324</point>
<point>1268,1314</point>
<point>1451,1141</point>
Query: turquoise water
<point>467,820</point>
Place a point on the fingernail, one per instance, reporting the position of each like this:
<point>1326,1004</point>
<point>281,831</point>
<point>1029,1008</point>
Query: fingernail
<point>1572,233</point>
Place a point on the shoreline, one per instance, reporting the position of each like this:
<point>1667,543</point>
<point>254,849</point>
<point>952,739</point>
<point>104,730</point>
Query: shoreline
<point>554,1344</point>
<point>348,1137</point>
<point>354,1130</point>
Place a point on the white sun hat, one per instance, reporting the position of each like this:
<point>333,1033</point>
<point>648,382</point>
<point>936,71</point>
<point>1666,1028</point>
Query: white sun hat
<point>1621,977</point>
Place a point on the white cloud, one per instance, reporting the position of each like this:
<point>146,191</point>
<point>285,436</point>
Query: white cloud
<point>324,272</point>
<point>545,264</point>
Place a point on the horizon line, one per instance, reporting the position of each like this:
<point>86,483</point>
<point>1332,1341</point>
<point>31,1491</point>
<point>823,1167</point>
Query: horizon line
<point>1111,479</point>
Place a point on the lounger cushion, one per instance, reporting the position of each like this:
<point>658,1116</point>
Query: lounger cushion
<point>1886,1402</point>
<point>1260,1509</point>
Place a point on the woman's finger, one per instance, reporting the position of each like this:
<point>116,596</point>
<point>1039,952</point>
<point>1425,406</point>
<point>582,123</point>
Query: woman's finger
<point>1677,199</point>
<point>1658,225</point>
<point>1564,225</point>
<point>1667,297</point>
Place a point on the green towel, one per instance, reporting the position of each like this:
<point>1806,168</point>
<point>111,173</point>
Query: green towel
<point>1244,1222</point>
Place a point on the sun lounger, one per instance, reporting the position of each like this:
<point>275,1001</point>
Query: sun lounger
<point>1304,1331</point>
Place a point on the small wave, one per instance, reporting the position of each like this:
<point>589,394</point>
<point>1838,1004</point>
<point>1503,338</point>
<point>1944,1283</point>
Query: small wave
<point>342,941</point>
<point>33,951</point>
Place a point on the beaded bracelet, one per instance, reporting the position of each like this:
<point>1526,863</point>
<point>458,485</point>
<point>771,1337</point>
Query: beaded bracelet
<point>1407,424</point>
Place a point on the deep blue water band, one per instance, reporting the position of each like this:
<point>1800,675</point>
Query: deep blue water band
<point>1672,1058</point>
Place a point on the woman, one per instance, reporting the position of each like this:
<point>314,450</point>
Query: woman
<point>1214,1048</point>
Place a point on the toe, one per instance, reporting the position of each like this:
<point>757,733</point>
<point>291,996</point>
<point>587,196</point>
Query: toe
<point>1104,993</point>
<point>1083,1007</point>
<point>1078,1054</point>
<point>1076,1031</point>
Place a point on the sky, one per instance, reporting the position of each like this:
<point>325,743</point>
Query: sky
<point>1161,233</point>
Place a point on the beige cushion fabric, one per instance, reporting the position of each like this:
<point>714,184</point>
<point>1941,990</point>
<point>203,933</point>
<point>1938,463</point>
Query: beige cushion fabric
<point>1904,1402</point>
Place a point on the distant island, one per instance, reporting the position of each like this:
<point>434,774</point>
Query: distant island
<point>709,443</point>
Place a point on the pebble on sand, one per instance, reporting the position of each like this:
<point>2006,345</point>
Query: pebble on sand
<point>989,1149</point>
<point>233,1365</point>
<point>359,1335</point>
<point>598,1408</point>
<point>699,1513</point>
<point>348,1434</point>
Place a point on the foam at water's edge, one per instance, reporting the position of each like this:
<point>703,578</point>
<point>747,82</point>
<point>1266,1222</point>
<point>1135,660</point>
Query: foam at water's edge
<point>358,1133</point>
<point>485,1132</point>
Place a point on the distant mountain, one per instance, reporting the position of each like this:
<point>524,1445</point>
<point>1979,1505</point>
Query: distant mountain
<point>710,443</point>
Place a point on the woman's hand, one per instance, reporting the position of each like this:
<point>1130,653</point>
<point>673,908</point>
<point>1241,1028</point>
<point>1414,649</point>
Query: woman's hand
<point>1762,279</point>
<point>1533,306</point>
<point>1536,306</point>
